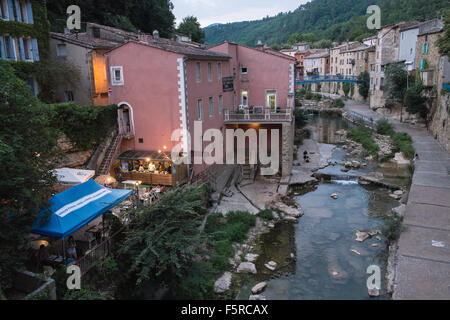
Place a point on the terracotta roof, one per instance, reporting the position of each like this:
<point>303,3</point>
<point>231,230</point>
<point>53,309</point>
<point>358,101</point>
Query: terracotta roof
<point>359,48</point>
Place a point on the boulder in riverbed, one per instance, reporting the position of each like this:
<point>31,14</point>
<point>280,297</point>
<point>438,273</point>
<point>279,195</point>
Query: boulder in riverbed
<point>362,236</point>
<point>247,267</point>
<point>272,265</point>
<point>259,287</point>
<point>223,283</point>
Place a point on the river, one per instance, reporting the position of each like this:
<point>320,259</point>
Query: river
<point>315,256</point>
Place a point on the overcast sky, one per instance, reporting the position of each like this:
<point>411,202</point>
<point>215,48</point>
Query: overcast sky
<point>223,11</point>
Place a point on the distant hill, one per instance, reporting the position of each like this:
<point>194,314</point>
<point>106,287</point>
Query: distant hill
<point>328,19</point>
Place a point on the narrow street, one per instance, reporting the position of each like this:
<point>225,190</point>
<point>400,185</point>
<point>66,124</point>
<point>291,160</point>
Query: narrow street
<point>423,257</point>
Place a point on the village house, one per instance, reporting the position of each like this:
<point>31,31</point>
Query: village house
<point>408,45</point>
<point>161,86</point>
<point>264,88</point>
<point>86,51</point>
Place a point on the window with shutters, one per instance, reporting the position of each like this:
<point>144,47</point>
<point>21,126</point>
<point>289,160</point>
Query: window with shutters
<point>8,47</point>
<point>4,10</point>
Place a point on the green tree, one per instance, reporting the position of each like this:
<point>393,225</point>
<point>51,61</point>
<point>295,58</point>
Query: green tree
<point>144,15</point>
<point>190,26</point>
<point>160,246</point>
<point>120,22</point>
<point>396,81</point>
<point>444,40</point>
<point>27,147</point>
<point>414,101</point>
<point>346,88</point>
<point>364,84</point>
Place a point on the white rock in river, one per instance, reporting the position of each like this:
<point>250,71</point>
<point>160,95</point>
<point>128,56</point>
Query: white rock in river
<point>356,252</point>
<point>251,257</point>
<point>257,297</point>
<point>361,236</point>
<point>246,267</point>
<point>259,287</point>
<point>398,192</point>
<point>223,283</point>
<point>335,196</point>
<point>272,265</point>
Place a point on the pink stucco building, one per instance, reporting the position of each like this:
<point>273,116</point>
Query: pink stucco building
<point>162,86</point>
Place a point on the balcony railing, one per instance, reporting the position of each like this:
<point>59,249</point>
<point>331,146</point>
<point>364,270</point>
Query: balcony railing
<point>258,114</point>
<point>325,78</point>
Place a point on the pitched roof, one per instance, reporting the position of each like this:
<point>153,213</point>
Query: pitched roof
<point>323,53</point>
<point>181,48</point>
<point>431,26</point>
<point>84,40</point>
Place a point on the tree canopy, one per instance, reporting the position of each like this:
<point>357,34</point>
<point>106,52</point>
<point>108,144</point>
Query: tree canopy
<point>190,26</point>
<point>327,19</point>
<point>444,40</point>
<point>143,15</point>
<point>27,148</point>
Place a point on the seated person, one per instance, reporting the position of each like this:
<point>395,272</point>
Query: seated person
<point>151,167</point>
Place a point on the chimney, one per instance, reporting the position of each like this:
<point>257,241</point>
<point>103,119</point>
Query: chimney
<point>156,34</point>
<point>260,45</point>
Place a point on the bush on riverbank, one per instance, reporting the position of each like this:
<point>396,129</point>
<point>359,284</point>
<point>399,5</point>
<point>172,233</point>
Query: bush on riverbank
<point>402,141</point>
<point>266,215</point>
<point>364,136</point>
<point>338,103</point>
<point>393,227</point>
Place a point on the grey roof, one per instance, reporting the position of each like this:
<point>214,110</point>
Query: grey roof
<point>431,26</point>
<point>84,40</point>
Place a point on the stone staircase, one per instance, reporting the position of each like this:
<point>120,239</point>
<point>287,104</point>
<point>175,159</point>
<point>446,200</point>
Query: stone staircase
<point>109,156</point>
<point>249,171</point>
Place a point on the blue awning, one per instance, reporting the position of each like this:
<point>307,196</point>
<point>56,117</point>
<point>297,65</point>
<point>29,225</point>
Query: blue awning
<point>76,207</point>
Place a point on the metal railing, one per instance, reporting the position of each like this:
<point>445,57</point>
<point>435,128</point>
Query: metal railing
<point>262,115</point>
<point>325,78</point>
<point>94,255</point>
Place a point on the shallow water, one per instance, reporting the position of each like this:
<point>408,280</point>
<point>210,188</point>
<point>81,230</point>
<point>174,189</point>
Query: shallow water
<point>324,266</point>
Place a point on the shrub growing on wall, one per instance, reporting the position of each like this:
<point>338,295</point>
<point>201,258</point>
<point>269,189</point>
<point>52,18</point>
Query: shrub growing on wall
<point>85,126</point>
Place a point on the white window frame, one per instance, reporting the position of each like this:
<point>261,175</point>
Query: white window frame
<point>244,67</point>
<point>219,71</point>
<point>198,72</point>
<point>58,52</point>
<point>200,109</point>
<point>242,97</point>
<point>115,82</point>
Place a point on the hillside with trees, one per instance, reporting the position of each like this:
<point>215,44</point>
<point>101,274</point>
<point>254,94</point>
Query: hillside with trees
<point>131,15</point>
<point>326,19</point>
